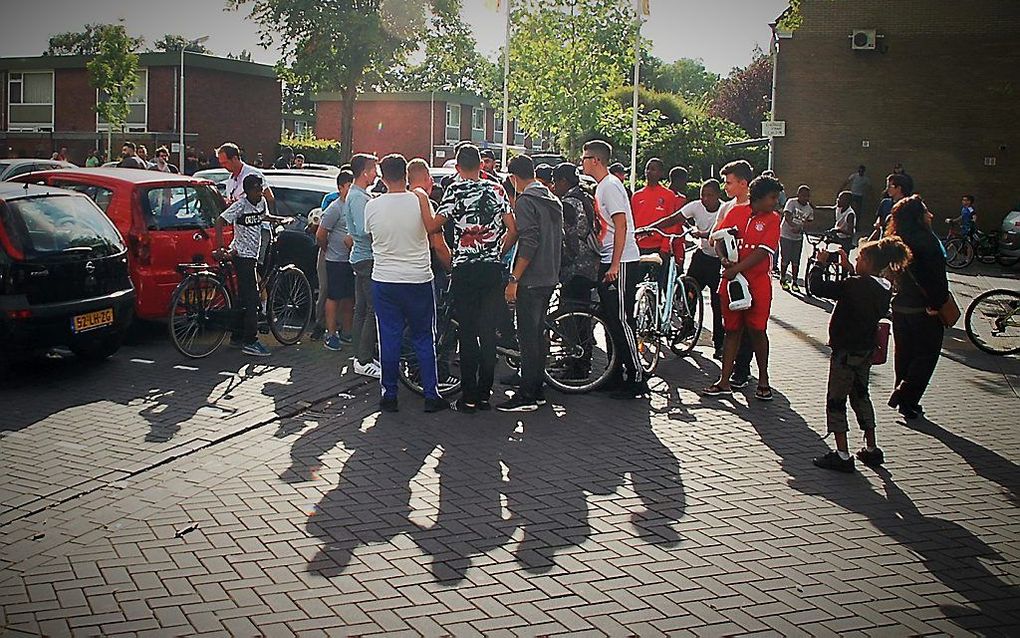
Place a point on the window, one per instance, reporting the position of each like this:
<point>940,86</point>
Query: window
<point>30,104</point>
<point>477,124</point>
<point>497,127</point>
<point>453,123</point>
<point>300,128</point>
<point>57,225</point>
<point>101,196</point>
<point>536,141</point>
<point>297,202</point>
<point>179,207</point>
<point>137,119</point>
<point>518,135</point>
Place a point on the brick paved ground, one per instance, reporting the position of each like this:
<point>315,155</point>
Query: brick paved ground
<point>140,497</point>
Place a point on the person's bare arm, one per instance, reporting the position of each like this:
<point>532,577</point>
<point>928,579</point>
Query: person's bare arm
<point>433,223</point>
<point>270,199</point>
<point>511,234</point>
<point>321,237</point>
<point>442,251</point>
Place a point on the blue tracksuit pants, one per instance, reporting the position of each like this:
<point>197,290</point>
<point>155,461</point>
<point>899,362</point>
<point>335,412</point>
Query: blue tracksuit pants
<point>412,306</point>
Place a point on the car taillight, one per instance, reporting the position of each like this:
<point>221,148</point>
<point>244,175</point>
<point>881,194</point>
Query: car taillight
<point>141,248</point>
<point>12,249</point>
<point>19,314</point>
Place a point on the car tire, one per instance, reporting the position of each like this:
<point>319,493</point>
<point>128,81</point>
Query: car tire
<point>99,349</point>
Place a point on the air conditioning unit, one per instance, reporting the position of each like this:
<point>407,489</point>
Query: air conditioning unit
<point>863,40</point>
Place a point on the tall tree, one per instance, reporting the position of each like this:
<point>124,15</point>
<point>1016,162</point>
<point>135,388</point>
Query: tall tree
<point>743,97</point>
<point>686,77</point>
<point>173,43</point>
<point>84,42</point>
<point>451,60</point>
<point>339,45</point>
<point>565,55</point>
<point>113,70</point>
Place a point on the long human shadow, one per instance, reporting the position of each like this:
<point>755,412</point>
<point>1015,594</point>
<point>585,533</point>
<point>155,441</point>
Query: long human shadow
<point>951,552</point>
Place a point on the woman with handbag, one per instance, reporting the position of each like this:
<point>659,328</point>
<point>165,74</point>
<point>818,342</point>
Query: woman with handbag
<point>922,307</point>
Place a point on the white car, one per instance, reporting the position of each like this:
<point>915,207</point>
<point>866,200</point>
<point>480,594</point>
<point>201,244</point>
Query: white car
<point>13,167</point>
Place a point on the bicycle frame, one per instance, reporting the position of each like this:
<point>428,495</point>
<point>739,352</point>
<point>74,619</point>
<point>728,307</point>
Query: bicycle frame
<point>664,305</point>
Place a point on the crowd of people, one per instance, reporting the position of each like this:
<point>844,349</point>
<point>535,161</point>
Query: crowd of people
<point>501,248</point>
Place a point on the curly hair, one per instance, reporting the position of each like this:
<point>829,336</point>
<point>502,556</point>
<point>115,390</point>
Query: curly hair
<point>888,253</point>
<point>909,215</point>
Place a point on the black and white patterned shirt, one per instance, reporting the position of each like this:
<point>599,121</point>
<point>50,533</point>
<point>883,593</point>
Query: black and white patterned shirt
<point>247,220</point>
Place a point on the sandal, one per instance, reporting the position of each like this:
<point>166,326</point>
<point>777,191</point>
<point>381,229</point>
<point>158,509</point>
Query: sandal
<point>716,390</point>
<point>763,393</point>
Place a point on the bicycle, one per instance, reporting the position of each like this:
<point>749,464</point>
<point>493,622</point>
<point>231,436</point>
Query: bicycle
<point>962,250</point>
<point>671,318</point>
<point>202,308</point>
<point>997,312</point>
<point>581,353</point>
<point>828,242</point>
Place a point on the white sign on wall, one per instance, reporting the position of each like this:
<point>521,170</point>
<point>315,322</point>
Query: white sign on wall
<point>773,129</point>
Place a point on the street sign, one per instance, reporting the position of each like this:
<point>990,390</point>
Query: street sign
<point>773,129</point>
<point>175,147</point>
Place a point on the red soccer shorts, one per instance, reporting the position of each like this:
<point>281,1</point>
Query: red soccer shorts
<point>757,316</point>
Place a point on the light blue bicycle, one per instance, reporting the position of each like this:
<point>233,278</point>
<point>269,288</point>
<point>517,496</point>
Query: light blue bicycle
<point>670,318</point>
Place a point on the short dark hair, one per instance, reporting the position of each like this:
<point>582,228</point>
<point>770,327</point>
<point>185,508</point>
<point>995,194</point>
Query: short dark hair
<point>522,166</point>
<point>656,160</point>
<point>803,187</point>
<point>162,149</point>
<point>741,169</point>
<point>468,157</point>
<point>544,172</point>
<point>567,172</point>
<point>713,184</point>
<point>251,182</point>
<point>488,154</point>
<point>969,198</point>
<point>129,144</point>
<point>230,150</point>
<point>678,174</point>
<point>617,167</point>
<point>344,177</point>
<point>360,163</point>
<point>763,186</point>
<point>600,149</point>
<point>902,181</point>
<point>394,168</point>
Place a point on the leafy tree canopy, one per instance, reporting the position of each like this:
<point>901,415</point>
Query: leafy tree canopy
<point>743,97</point>
<point>172,43</point>
<point>84,42</point>
<point>686,77</point>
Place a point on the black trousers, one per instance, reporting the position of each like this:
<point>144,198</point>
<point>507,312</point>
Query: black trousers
<point>618,310</point>
<point>477,301</point>
<point>248,291</point>
<point>576,295</point>
<point>532,308</point>
<point>707,271</point>
<point>918,339</point>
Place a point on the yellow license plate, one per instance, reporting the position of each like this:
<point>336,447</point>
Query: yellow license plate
<point>92,320</point>
<point>193,297</point>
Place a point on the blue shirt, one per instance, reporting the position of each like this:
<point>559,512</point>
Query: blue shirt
<point>328,199</point>
<point>357,198</point>
<point>334,220</point>
<point>966,219</point>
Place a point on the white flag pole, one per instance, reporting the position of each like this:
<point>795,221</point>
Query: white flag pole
<point>506,89</point>
<point>637,79</point>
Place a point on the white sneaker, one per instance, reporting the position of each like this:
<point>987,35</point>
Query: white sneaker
<point>370,369</point>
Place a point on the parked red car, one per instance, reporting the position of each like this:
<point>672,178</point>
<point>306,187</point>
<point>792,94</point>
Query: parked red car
<point>165,219</point>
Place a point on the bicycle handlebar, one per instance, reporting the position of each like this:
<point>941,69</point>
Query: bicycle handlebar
<point>653,229</point>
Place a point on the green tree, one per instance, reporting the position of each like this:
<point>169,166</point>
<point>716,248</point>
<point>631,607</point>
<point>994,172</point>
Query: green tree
<point>172,43</point>
<point>84,42</point>
<point>686,77</point>
<point>743,97</point>
<point>339,45</point>
<point>565,55</point>
<point>451,60</point>
<point>113,72</point>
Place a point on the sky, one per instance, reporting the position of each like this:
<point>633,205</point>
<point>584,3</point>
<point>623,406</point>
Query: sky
<point>703,29</point>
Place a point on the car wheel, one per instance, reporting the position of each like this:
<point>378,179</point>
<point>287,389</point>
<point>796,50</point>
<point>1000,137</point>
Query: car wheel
<point>97,349</point>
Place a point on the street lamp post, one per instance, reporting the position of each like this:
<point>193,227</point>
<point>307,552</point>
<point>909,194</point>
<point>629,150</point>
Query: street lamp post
<point>184,47</point>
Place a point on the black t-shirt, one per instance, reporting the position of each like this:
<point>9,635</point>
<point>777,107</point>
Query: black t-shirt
<point>861,301</point>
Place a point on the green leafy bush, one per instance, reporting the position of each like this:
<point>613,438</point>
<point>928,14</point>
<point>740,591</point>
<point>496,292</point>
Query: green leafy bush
<point>315,151</point>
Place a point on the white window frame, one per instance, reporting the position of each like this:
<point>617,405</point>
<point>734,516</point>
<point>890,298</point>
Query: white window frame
<point>449,113</point>
<point>477,132</point>
<point>518,135</point>
<point>30,126</point>
<point>130,127</point>
<point>300,128</point>
<point>536,142</point>
<point>497,127</point>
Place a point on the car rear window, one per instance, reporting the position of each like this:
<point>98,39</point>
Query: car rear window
<point>58,225</point>
<point>296,202</point>
<point>101,196</point>
<point>181,207</point>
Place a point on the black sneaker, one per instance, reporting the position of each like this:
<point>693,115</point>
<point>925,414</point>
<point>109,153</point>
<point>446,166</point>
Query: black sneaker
<point>518,404</point>
<point>460,405</point>
<point>739,381</point>
<point>832,461</point>
<point>540,399</point>
<point>908,412</point>
<point>871,458</point>
<point>436,405</point>
<point>389,404</point>
<point>317,332</point>
<point>631,391</point>
<point>483,406</point>
<point>236,342</point>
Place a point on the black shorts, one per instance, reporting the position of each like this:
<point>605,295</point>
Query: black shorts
<point>339,280</point>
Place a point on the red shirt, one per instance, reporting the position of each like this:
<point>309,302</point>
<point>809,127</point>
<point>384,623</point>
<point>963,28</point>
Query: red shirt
<point>754,231</point>
<point>649,205</point>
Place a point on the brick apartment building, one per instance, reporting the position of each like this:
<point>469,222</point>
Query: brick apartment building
<point>939,92</point>
<point>400,122</point>
<point>47,103</point>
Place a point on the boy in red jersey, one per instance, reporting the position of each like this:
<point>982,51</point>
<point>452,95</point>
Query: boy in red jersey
<point>757,230</point>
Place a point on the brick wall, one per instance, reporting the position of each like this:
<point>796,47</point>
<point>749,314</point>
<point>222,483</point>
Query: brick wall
<point>940,97</point>
<point>163,95</point>
<point>230,107</point>
<point>74,101</point>
<point>383,127</point>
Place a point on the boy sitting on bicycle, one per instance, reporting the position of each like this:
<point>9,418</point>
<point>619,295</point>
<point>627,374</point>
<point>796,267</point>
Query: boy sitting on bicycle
<point>246,214</point>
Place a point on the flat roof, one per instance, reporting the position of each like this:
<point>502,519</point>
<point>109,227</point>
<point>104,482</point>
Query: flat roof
<point>405,96</point>
<point>199,60</point>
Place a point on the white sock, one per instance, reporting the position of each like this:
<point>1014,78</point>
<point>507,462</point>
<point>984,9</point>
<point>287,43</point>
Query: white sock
<point>843,455</point>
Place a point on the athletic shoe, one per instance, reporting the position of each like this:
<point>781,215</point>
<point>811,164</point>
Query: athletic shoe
<point>236,342</point>
<point>317,332</point>
<point>345,339</point>
<point>483,406</point>
<point>460,405</point>
<point>540,399</point>
<point>795,288</point>
<point>738,382</point>
<point>785,285</point>
<point>389,404</point>
<point>871,458</point>
<point>436,405</point>
<point>256,349</point>
<point>832,461</point>
<point>370,369</point>
<point>332,342</point>
<point>518,404</point>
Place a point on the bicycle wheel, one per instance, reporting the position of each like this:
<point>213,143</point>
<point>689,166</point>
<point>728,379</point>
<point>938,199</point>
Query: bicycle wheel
<point>447,363</point>
<point>199,316</point>
<point>646,333</point>
<point>1007,261</point>
<point>688,316</point>
<point>993,321</point>
<point>959,253</point>
<point>289,305</point>
<point>581,352</point>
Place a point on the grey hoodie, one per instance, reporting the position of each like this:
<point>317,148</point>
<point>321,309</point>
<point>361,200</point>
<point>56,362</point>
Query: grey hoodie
<point>540,226</point>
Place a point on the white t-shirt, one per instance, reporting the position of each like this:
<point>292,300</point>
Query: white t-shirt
<point>611,198</point>
<point>704,221</point>
<point>794,216</point>
<point>235,185</point>
<point>400,245</point>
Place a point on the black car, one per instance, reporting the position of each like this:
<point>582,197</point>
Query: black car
<point>63,275</point>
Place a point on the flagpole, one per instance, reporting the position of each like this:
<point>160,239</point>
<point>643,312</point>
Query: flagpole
<point>506,89</point>
<point>637,79</point>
